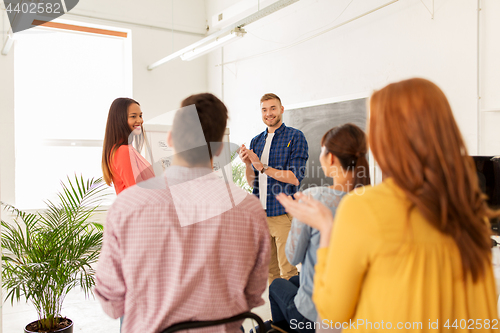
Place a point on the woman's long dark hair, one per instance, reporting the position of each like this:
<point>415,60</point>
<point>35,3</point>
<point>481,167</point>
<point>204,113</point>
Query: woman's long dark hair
<point>348,144</point>
<point>118,134</point>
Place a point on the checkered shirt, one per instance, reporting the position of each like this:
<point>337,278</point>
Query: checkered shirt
<point>157,271</point>
<point>289,151</point>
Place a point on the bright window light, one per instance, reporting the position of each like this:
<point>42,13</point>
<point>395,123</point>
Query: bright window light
<point>64,84</point>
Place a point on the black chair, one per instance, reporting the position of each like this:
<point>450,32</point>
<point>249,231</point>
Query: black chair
<point>207,323</point>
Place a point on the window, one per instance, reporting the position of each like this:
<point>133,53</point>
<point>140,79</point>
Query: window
<point>65,81</point>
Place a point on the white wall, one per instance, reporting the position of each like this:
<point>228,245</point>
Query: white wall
<point>182,15</point>
<point>397,42</point>
<point>490,74</point>
<point>158,91</point>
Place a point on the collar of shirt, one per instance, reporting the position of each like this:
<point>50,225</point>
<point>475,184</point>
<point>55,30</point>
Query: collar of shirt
<point>277,131</point>
<point>184,174</point>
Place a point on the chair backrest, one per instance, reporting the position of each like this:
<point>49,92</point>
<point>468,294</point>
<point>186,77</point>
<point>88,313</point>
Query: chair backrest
<point>207,323</point>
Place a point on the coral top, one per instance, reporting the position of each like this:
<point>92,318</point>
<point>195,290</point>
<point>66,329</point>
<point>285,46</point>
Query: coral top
<point>129,168</point>
<point>384,264</point>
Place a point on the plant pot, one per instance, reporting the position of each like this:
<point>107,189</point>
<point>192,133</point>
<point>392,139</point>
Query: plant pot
<point>67,329</point>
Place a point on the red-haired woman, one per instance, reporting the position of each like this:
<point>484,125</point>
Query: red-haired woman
<point>122,164</point>
<point>414,252</point>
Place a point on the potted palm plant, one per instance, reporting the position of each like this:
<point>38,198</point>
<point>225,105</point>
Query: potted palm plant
<point>45,255</point>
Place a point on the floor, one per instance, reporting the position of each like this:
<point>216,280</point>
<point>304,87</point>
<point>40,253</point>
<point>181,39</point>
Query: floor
<point>87,315</point>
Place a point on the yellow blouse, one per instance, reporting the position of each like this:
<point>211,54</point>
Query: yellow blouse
<point>387,269</point>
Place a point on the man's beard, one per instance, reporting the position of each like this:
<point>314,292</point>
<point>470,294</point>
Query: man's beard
<point>277,120</point>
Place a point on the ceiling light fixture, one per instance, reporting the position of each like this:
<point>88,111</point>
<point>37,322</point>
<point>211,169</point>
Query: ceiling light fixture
<point>280,4</point>
<point>8,43</point>
<point>218,42</point>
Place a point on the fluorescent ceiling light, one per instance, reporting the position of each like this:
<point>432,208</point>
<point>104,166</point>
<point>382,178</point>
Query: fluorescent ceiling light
<point>219,42</point>
<point>240,24</point>
<point>8,43</point>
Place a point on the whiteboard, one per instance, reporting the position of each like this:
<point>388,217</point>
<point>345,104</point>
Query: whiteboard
<point>161,155</point>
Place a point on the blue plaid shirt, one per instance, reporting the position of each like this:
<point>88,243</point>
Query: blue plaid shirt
<point>288,152</point>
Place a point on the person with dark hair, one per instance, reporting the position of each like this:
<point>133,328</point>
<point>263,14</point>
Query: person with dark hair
<point>186,245</point>
<point>343,158</point>
<point>413,252</point>
<point>275,163</point>
<point>193,148</point>
<point>122,164</point>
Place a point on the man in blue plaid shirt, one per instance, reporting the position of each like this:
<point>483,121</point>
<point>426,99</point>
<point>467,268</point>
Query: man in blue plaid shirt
<point>276,163</point>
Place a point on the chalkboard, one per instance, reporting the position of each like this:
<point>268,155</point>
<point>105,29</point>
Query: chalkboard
<point>314,122</point>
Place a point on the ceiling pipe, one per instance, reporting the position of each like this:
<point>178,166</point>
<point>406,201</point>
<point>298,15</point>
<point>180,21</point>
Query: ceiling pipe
<point>240,24</point>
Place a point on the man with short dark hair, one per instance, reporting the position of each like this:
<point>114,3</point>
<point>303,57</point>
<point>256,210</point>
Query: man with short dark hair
<point>275,163</point>
<point>186,245</point>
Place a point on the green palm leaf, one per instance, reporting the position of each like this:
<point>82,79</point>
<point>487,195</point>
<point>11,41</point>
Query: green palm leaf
<point>46,255</point>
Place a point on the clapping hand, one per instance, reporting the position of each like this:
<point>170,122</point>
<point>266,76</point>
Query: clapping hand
<point>249,157</point>
<point>243,153</point>
<point>310,212</point>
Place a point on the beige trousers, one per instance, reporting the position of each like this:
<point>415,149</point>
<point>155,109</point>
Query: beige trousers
<point>279,227</point>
